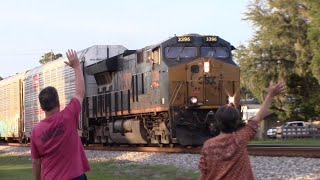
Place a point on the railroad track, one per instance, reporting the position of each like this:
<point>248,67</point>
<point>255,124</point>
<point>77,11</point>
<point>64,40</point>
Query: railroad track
<point>284,150</point>
<point>253,150</point>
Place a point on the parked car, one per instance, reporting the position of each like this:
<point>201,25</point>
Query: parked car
<point>272,132</point>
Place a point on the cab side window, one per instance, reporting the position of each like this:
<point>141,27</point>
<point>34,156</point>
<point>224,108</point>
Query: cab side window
<point>156,55</point>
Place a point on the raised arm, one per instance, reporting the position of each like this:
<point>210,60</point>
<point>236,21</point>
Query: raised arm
<point>75,64</point>
<point>273,90</point>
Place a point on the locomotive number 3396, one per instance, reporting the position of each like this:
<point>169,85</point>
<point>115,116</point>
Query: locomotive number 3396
<point>184,39</point>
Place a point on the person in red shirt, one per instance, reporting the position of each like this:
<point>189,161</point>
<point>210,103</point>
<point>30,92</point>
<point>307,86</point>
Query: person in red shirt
<point>56,148</point>
<point>225,156</point>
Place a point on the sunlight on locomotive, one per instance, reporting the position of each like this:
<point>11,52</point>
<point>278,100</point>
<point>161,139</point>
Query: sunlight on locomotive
<point>206,67</point>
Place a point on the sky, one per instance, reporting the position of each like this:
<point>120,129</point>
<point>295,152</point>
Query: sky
<point>29,29</point>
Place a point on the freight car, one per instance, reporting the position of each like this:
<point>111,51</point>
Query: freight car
<point>20,109</point>
<point>11,120</point>
<point>162,94</point>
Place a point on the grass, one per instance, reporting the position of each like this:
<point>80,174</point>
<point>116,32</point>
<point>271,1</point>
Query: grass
<point>19,167</point>
<point>15,167</point>
<point>108,170</point>
<point>301,141</point>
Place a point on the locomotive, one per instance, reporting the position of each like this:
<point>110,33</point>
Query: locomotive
<point>163,94</point>
<point>166,93</point>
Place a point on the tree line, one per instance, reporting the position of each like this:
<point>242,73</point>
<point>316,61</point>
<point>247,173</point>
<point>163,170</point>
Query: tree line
<point>49,56</point>
<point>284,47</point>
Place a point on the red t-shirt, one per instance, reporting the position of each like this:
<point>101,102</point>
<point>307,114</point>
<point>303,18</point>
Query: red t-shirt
<point>226,157</point>
<point>56,141</point>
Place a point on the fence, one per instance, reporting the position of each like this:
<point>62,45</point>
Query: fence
<point>298,132</point>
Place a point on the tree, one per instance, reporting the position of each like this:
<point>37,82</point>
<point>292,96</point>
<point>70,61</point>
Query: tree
<point>281,50</point>
<point>49,56</point>
<point>314,35</point>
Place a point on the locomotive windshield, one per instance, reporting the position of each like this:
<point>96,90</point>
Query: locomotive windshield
<point>191,52</point>
<point>180,52</point>
<point>216,52</point>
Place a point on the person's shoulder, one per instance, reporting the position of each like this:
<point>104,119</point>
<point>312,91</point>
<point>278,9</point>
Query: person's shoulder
<point>78,98</point>
<point>75,100</point>
<point>210,142</point>
<point>72,107</point>
<point>252,123</point>
<point>36,128</point>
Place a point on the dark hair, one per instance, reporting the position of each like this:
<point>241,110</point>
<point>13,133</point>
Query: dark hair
<point>48,98</point>
<point>228,119</point>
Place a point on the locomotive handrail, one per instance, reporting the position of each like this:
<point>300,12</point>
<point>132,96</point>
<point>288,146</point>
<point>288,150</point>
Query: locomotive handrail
<point>108,93</point>
<point>175,92</point>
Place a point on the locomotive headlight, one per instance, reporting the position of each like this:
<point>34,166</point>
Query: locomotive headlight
<point>193,100</point>
<point>206,67</point>
<point>231,100</point>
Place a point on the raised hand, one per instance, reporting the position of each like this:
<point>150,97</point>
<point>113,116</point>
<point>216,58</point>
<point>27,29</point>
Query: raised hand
<point>275,89</point>
<point>73,59</point>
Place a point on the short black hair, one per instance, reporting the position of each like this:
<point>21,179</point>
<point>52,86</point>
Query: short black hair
<point>48,98</point>
<point>229,119</point>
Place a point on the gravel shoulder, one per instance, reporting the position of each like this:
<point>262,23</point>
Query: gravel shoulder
<point>264,168</point>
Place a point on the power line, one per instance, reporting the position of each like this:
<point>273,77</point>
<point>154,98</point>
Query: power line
<point>27,52</point>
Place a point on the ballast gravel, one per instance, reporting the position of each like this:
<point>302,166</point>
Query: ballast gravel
<point>264,168</point>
